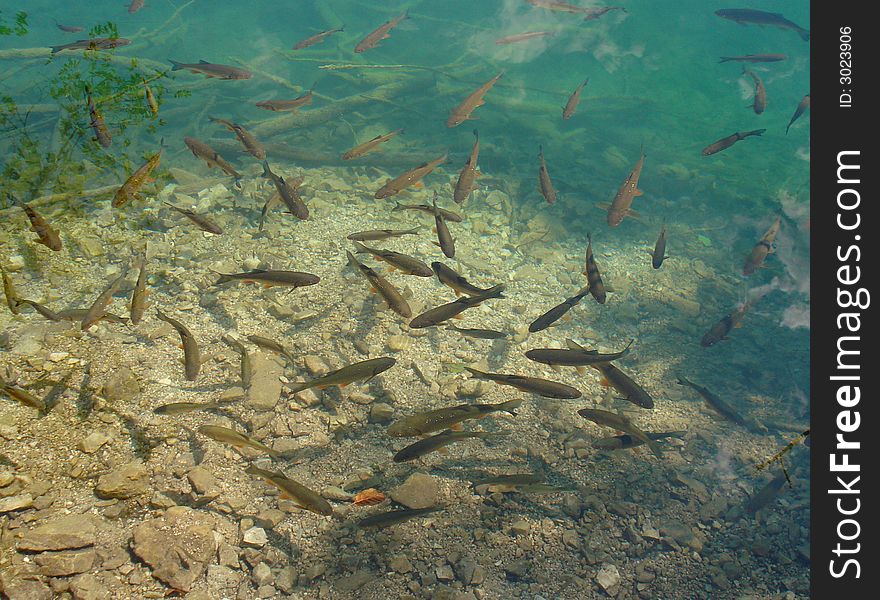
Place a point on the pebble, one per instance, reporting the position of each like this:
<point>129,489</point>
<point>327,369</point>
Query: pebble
<point>64,563</point>
<point>262,574</point>
<point>286,579</point>
<point>203,482</point>
<point>354,581</point>
<point>89,587</point>
<point>444,573</point>
<point>121,387</point>
<point>400,564</point>
<point>13,503</point>
<point>518,569</point>
<point>315,365</point>
<point>127,481</point>
<point>6,477</point>
<point>381,413</point>
<point>398,343</point>
<point>255,537</point>
<point>68,532</point>
<point>520,527</point>
<point>93,442</point>
<point>265,387</point>
<point>608,579</point>
<point>418,491</point>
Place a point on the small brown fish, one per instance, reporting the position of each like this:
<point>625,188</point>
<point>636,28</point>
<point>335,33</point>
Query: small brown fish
<point>513,480</point>
<point>462,112</point>
<point>96,310</point>
<point>139,294</point>
<point>213,70</point>
<point>623,384</point>
<point>12,299</point>
<point>591,14</point>
<point>754,58</point>
<point>532,385</point>
<point>271,346</point>
<point>288,193</point>
<point>287,105</point>
<point>444,312</point>
<point>449,277</point>
<point>465,184</point>
<point>271,278</point>
<point>93,44</point>
<point>395,517</point>
<point>202,222</point>
<point>448,215</point>
<point>626,441</point>
<point>96,122</point>
<point>441,440</point>
<point>802,106</point>
<point>659,253</point>
<point>622,203</point>
<point>251,144</point>
<point>620,423</point>
<point>719,330</point>
<point>573,356</point>
<point>76,315</point>
<point>46,234</point>
<point>760,101</point>
<point>394,186</point>
<point>594,279</point>
<point>180,408</point>
<point>446,418</point>
<point>380,234</point>
<point>444,238</point>
<point>557,312</point>
<point>480,334</point>
<point>522,37</point>
<point>130,190</point>
<point>192,360</point>
<point>729,141</point>
<point>235,439</point>
<point>716,403</point>
<point>317,38</point>
<point>574,100</point>
<point>302,496</point>
<point>135,6</point>
<point>22,395</point>
<point>383,32</point>
<point>406,264</point>
<point>152,103</point>
<point>547,189</point>
<point>365,369</point>
<point>766,495</point>
<point>762,249</point>
<point>369,146</point>
<point>209,155</point>
<point>246,368</point>
<point>68,28</point>
<point>379,284</point>
<point>43,310</point>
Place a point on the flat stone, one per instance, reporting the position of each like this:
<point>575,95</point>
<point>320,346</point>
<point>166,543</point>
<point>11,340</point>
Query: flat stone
<point>265,388</point>
<point>121,387</point>
<point>129,480</point>
<point>203,482</point>
<point>69,532</point>
<point>315,365</point>
<point>262,574</point>
<point>89,587</point>
<point>6,477</point>
<point>255,537</point>
<point>64,563</point>
<point>608,579</point>
<point>381,413</point>
<point>286,579</point>
<point>520,527</point>
<point>93,442</point>
<point>177,547</point>
<point>444,573</point>
<point>355,581</point>
<point>16,587</point>
<point>19,502</point>
<point>400,564</point>
<point>418,491</point>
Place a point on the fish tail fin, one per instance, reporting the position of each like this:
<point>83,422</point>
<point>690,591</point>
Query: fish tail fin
<point>510,406</point>
<point>361,249</point>
<point>655,448</point>
<point>725,59</point>
<point>176,66</point>
<point>223,278</point>
<point>474,372</point>
<point>805,35</point>
<point>298,386</point>
<point>494,291</point>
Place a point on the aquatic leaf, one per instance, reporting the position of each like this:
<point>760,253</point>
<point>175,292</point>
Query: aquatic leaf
<point>704,240</point>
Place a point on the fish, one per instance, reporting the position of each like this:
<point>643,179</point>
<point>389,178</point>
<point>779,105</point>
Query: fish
<point>802,106</point>
<point>293,186</point>
<point>481,334</point>
<point>623,384</point>
<point>152,103</point>
<point>135,6</point>
<point>246,368</point>
<point>760,101</point>
<point>395,517</point>
<point>46,234</point>
<point>44,311</point>
<point>754,58</point>
<point>459,284</point>
<point>745,16</point>
<point>383,32</point>
<point>574,356</point>
<point>544,182</point>
<point>21,395</point>
<point>139,294</point>
<point>380,234</point>
<point>620,206</point>
<point>74,315</point>
<point>522,37</point>
<point>68,28</point>
<point>441,440</point>
<point>379,284</point>
<point>287,105</point>
<point>462,112</point>
<point>235,439</point>
<point>448,215</point>
<point>590,13</point>
<point>766,495</point>
<point>716,403</point>
<point>573,100</point>
<point>626,441</point>
<point>271,346</point>
<point>465,183</point>
<point>93,44</point>
<point>302,496</point>
<point>179,408</point>
<point>406,264</point>
<point>365,369</point>
<point>719,330</point>
<point>203,223</point>
<point>317,38</point>
<point>12,299</point>
<point>659,253</point>
<point>557,312</point>
<point>392,187</point>
<point>444,238</point>
<point>369,146</point>
<point>247,139</point>
<point>594,279</point>
<point>271,278</point>
<point>96,310</point>
<point>288,193</point>
<point>209,155</point>
<point>620,423</point>
<point>437,315</point>
<point>212,70</point>
<point>727,142</point>
<point>512,480</point>
<point>532,385</point>
<point>762,249</point>
<point>192,360</point>
<point>446,418</point>
<point>130,190</point>
<point>96,121</point>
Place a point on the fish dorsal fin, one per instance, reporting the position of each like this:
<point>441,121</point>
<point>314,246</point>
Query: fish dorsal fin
<point>204,62</point>
<point>573,345</point>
